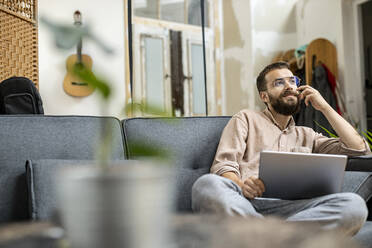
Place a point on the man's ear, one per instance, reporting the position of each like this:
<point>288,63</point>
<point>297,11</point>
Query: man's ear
<point>264,96</point>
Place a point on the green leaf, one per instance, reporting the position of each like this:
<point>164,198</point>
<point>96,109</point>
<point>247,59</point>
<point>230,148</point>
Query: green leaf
<point>325,129</point>
<point>370,133</point>
<point>86,75</point>
<point>367,136</point>
<point>141,149</point>
<point>132,108</point>
<point>370,145</point>
<point>67,36</point>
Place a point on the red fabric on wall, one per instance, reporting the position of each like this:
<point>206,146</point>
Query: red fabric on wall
<point>333,84</point>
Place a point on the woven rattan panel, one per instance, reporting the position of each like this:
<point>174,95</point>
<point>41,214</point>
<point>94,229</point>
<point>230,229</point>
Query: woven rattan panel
<point>18,39</point>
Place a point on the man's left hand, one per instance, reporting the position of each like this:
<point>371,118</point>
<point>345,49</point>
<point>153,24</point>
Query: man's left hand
<point>313,96</point>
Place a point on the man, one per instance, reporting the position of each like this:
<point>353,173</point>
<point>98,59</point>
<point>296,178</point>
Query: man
<point>234,188</point>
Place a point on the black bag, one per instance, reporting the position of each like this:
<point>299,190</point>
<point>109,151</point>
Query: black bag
<point>18,95</point>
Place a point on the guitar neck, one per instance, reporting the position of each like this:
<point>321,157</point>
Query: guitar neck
<point>78,23</point>
<point>79,48</point>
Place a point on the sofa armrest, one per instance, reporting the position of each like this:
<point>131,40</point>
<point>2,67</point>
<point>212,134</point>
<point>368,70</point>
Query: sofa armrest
<point>360,163</point>
<point>359,183</point>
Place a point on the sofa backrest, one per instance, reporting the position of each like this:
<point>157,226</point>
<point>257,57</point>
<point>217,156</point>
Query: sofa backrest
<point>45,137</point>
<point>192,141</point>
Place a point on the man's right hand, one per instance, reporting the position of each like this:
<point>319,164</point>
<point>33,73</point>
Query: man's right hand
<point>253,187</point>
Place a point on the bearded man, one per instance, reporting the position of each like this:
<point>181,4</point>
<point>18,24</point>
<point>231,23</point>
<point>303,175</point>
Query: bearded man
<point>233,187</point>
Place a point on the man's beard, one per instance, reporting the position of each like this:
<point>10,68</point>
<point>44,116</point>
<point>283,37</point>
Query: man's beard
<point>282,107</point>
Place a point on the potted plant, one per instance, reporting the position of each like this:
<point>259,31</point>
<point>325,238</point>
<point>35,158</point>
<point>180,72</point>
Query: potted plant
<point>112,204</point>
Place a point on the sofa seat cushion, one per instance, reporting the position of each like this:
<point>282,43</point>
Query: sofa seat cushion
<point>13,191</point>
<point>364,236</point>
<point>185,179</point>
<point>41,175</point>
<point>358,182</point>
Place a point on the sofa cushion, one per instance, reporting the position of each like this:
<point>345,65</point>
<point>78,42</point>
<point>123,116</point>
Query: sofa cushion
<point>359,163</point>
<point>13,191</point>
<point>185,178</point>
<point>358,182</point>
<point>46,137</point>
<point>192,142</point>
<point>55,137</point>
<point>364,236</point>
<point>41,175</point>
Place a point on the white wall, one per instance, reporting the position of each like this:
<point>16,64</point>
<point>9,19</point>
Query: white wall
<point>273,30</point>
<point>107,21</point>
<point>354,60</point>
<point>237,54</point>
<point>318,18</point>
<point>254,31</point>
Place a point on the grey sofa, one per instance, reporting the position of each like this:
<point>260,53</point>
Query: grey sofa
<point>193,142</point>
<point>49,142</point>
<point>44,137</point>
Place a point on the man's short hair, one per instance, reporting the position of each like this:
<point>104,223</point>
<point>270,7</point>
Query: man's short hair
<point>261,81</point>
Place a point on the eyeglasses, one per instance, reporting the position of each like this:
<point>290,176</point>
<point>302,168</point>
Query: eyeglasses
<point>293,81</point>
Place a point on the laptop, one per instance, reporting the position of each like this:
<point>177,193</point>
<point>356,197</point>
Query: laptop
<point>293,175</point>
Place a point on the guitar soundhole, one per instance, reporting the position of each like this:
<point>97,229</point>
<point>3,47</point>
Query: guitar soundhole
<point>79,83</point>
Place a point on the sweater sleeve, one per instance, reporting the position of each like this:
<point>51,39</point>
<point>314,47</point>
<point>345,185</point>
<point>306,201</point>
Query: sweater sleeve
<point>231,148</point>
<point>324,144</point>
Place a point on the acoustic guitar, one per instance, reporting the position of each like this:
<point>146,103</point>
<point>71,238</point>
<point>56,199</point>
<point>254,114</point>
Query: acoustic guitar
<point>71,84</point>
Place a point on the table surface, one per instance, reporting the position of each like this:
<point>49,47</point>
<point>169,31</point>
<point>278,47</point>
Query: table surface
<point>198,231</point>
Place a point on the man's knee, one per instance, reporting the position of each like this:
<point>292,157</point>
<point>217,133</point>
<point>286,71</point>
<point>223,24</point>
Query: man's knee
<point>208,181</point>
<point>208,192</point>
<point>354,211</point>
<point>205,185</point>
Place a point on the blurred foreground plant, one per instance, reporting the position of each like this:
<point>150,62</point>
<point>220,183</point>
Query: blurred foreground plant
<point>67,37</point>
